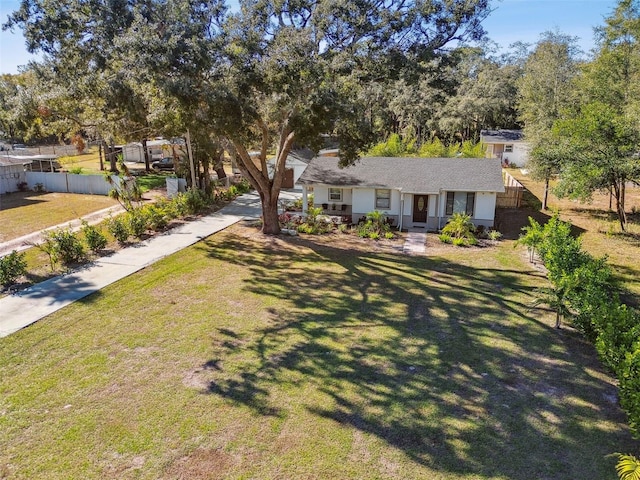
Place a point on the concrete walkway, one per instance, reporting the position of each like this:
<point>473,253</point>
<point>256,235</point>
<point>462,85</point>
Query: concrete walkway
<point>416,242</point>
<point>30,305</point>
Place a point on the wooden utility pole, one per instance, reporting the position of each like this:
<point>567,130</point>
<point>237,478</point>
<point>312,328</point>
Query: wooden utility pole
<point>191,164</point>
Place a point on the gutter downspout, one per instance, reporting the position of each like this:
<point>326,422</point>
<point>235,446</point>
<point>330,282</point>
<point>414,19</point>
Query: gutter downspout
<point>438,211</point>
<point>305,200</point>
<point>401,210</point>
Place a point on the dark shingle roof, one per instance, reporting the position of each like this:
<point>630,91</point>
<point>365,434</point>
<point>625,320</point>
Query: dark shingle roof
<point>409,174</point>
<point>501,136</point>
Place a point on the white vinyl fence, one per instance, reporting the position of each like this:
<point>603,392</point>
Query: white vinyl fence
<point>10,177</point>
<point>70,183</point>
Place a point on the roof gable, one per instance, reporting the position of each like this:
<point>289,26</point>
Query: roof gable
<point>408,174</point>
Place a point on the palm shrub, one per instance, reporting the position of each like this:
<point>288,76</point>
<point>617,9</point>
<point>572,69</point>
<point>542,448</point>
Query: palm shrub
<point>375,226</point>
<point>12,266</point>
<point>96,241</point>
<point>444,238</point>
<point>460,228</point>
<point>628,467</point>
<point>312,223</point>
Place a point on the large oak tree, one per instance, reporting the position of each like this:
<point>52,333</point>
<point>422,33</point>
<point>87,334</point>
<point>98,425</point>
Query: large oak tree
<point>270,75</point>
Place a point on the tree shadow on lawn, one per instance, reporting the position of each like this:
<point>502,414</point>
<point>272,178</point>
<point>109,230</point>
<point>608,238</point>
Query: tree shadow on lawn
<point>440,360</point>
<point>20,199</point>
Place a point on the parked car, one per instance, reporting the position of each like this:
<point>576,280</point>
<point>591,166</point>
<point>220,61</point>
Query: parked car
<point>19,146</point>
<point>163,164</point>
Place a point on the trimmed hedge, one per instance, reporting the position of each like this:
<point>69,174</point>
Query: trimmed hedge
<point>586,287</point>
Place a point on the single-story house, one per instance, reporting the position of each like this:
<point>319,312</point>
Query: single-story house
<point>295,165</point>
<point>412,192</point>
<point>507,145</point>
<point>12,172</point>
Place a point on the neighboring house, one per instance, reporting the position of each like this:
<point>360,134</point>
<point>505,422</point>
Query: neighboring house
<point>295,165</point>
<point>44,163</point>
<point>412,192</point>
<point>131,152</point>
<point>507,145</point>
<point>12,172</point>
<point>159,149</point>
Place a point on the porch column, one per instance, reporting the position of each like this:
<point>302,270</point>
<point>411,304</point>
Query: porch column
<point>305,200</point>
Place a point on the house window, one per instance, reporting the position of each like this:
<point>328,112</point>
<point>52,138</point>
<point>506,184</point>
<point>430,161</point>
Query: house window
<point>335,194</point>
<point>508,149</point>
<point>460,202</point>
<point>383,198</point>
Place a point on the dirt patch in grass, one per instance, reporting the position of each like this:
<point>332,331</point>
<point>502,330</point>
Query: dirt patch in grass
<point>201,464</point>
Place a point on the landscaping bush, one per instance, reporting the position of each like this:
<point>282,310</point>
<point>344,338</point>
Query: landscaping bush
<point>12,267</point>
<point>375,226</point>
<point>195,201</point>
<point>444,238</point>
<point>63,245</point>
<point>117,227</point>
<point>156,215</point>
<point>137,222</point>
<point>494,235</point>
<point>96,241</point>
<point>460,242</point>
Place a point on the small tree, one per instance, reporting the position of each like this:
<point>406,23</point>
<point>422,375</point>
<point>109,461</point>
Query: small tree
<point>531,238</point>
<point>78,142</point>
<point>126,190</point>
<point>12,266</point>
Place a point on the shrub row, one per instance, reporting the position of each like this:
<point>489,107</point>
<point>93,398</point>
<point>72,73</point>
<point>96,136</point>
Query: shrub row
<point>582,288</point>
<point>67,247</point>
<point>375,225</point>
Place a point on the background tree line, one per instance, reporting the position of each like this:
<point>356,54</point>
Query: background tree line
<point>272,75</point>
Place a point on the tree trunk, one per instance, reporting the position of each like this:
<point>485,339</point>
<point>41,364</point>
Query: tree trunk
<point>546,193</point>
<point>100,150</point>
<point>270,222</point>
<point>145,152</point>
<point>558,319</point>
<point>619,194</point>
<point>110,156</point>
<point>219,166</point>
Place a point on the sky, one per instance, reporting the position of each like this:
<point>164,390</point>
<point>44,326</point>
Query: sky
<point>511,21</point>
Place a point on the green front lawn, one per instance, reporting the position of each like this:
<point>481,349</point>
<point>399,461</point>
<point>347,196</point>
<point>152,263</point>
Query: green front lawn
<point>246,357</point>
<point>22,213</point>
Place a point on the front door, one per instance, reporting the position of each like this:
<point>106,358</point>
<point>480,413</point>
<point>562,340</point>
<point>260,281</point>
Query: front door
<point>420,208</point>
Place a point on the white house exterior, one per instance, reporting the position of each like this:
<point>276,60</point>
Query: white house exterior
<point>12,173</point>
<point>412,192</point>
<point>507,145</point>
